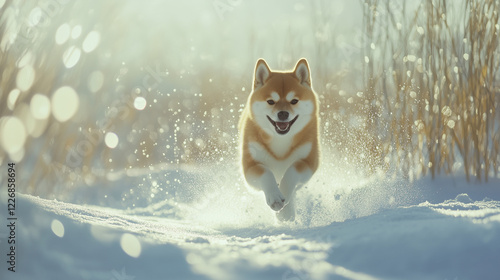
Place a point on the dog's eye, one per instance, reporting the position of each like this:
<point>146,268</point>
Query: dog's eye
<point>294,101</point>
<point>270,102</point>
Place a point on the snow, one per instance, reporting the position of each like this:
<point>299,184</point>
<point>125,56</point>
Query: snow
<point>430,229</point>
<point>178,221</point>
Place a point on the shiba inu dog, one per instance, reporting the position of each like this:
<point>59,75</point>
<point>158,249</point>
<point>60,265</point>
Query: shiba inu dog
<point>279,135</point>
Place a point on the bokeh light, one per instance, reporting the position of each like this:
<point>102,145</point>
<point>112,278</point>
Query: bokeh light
<point>62,34</point>
<point>91,41</point>
<point>40,106</point>
<point>57,228</point>
<point>71,56</point>
<point>140,103</point>
<point>25,78</point>
<point>111,140</point>
<point>65,103</point>
<point>95,81</point>
<point>13,134</point>
<point>130,245</point>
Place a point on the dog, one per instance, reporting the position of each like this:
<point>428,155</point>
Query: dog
<point>279,139</point>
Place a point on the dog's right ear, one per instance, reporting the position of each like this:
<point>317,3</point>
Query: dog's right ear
<point>261,74</point>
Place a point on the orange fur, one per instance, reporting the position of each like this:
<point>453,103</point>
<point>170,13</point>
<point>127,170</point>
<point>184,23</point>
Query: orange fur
<point>281,83</point>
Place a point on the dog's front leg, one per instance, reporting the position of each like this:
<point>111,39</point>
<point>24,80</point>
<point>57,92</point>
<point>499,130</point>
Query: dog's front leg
<point>295,177</point>
<point>261,178</point>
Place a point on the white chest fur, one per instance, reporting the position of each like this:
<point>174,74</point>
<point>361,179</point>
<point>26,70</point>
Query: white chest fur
<point>278,167</point>
<point>280,145</point>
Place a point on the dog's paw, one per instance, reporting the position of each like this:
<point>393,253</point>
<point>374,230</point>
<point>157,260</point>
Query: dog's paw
<point>275,200</point>
<point>287,214</point>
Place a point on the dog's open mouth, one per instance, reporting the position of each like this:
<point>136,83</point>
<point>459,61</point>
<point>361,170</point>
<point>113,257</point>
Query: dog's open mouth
<point>282,127</point>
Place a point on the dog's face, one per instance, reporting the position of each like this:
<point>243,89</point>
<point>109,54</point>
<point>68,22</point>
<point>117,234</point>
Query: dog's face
<point>282,103</point>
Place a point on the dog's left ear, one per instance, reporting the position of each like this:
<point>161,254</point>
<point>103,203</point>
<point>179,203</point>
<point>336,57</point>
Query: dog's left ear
<point>302,72</point>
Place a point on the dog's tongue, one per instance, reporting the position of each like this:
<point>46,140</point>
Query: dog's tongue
<point>282,125</point>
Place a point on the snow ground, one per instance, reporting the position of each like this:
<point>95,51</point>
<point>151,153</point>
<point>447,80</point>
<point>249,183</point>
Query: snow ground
<point>432,229</point>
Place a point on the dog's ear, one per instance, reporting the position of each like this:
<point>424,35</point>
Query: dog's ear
<point>261,74</point>
<point>303,73</point>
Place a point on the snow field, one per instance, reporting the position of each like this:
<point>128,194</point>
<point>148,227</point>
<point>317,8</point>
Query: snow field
<point>441,229</point>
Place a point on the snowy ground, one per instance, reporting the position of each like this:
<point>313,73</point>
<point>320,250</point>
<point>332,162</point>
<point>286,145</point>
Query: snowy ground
<point>441,229</point>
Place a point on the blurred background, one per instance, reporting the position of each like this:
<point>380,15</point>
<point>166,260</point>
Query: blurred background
<point>96,94</point>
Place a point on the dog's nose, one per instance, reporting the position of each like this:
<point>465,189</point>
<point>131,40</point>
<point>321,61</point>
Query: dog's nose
<point>282,115</point>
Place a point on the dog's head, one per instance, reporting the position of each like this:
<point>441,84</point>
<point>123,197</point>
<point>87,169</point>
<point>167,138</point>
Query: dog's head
<point>282,103</point>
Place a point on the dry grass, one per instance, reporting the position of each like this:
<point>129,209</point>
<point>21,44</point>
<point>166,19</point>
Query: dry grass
<point>440,89</point>
<point>426,101</point>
